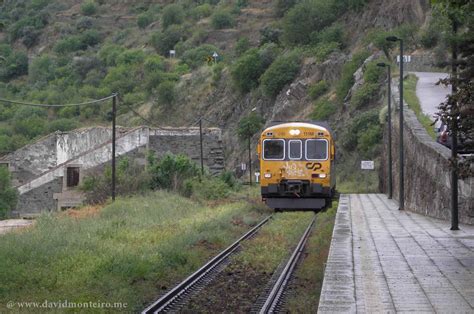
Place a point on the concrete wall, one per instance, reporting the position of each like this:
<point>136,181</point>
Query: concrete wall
<point>427,172</point>
<point>90,149</point>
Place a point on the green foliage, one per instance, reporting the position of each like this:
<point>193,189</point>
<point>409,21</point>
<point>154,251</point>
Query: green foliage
<point>249,125</point>
<point>372,72</point>
<point>42,69</point>
<point>109,53</point>
<point>172,14</point>
<point>281,72</point>
<point>306,17</point>
<point>207,188</point>
<point>167,93</point>
<point>378,38</point>
<point>355,137</point>
<point>317,90</point>
<point>364,95</point>
<point>222,19</point>
<point>201,11</point>
<point>144,19</point>
<point>165,41</point>
<point>8,195</point>
<point>270,34</point>
<point>247,70</point>
<point>74,43</point>
<point>331,34</point>
<point>242,45</point>
<point>282,6</point>
<point>324,49</point>
<point>13,65</point>
<point>89,7</point>
<point>347,77</point>
<point>171,171</point>
<point>62,125</point>
<point>323,109</point>
<point>131,179</point>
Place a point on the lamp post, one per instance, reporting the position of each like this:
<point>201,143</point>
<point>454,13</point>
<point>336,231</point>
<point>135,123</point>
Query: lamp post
<point>402,186</point>
<point>389,77</point>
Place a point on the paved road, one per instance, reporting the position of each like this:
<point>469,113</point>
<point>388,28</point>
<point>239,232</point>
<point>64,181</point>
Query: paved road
<point>383,260</point>
<point>430,94</point>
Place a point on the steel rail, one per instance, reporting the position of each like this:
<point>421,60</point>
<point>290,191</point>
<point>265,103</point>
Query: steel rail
<point>276,293</point>
<point>175,293</point>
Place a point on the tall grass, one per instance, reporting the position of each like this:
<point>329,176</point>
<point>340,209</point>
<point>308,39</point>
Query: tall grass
<point>128,252</point>
<point>413,102</point>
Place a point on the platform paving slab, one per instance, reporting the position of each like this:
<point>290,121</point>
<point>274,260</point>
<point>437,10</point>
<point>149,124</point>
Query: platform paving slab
<point>385,260</point>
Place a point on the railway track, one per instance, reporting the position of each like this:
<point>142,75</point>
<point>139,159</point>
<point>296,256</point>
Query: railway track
<point>167,301</point>
<point>273,300</point>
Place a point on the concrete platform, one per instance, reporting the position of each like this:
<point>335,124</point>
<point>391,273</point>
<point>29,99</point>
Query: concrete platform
<point>385,260</point>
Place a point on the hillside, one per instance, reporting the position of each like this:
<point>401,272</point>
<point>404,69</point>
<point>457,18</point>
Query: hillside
<point>288,59</point>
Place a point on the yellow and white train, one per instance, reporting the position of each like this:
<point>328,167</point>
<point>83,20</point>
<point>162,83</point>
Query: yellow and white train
<point>297,165</point>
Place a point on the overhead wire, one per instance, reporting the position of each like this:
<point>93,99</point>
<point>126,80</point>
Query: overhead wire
<point>91,102</point>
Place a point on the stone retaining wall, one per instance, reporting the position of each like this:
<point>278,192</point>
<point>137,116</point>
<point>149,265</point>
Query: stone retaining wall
<point>427,172</point>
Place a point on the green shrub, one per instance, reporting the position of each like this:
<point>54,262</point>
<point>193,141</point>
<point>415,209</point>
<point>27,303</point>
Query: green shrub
<point>242,45</point>
<point>171,171</point>
<point>131,178</point>
<point>282,6</point>
<point>369,140</point>
<point>249,125</point>
<point>324,49</point>
<point>378,38</point>
<point>372,72</point>
<point>207,188</point>
<point>89,7</point>
<point>8,195</point>
<point>228,177</point>
<point>306,17</point>
<point>165,41</point>
<point>222,19</point>
<point>347,76</point>
<point>247,70</point>
<point>172,14</point>
<point>166,93</point>
<point>14,65</point>
<point>201,11</point>
<point>62,125</point>
<point>109,53</point>
<point>270,34</point>
<point>317,90</point>
<point>331,34</point>
<point>364,95</point>
<point>144,19</point>
<point>353,132</point>
<point>281,72</point>
<point>323,109</point>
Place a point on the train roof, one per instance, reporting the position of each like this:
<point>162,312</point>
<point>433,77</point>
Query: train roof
<point>311,124</point>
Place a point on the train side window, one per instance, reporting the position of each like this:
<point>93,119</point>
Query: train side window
<point>274,149</point>
<point>316,149</point>
<point>295,149</point>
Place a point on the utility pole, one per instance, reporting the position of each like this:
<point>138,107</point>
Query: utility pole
<point>114,114</point>
<point>250,158</point>
<point>200,140</point>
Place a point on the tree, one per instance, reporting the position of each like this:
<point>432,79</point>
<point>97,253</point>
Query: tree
<point>249,125</point>
<point>458,110</point>
<point>172,14</point>
<point>8,195</point>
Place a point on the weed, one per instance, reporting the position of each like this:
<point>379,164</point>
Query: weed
<point>413,102</point>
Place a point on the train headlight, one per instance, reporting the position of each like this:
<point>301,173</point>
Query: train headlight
<point>267,175</point>
<point>295,132</point>
<point>322,175</point>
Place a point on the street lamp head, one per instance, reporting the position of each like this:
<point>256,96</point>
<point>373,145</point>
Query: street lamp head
<point>392,38</point>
